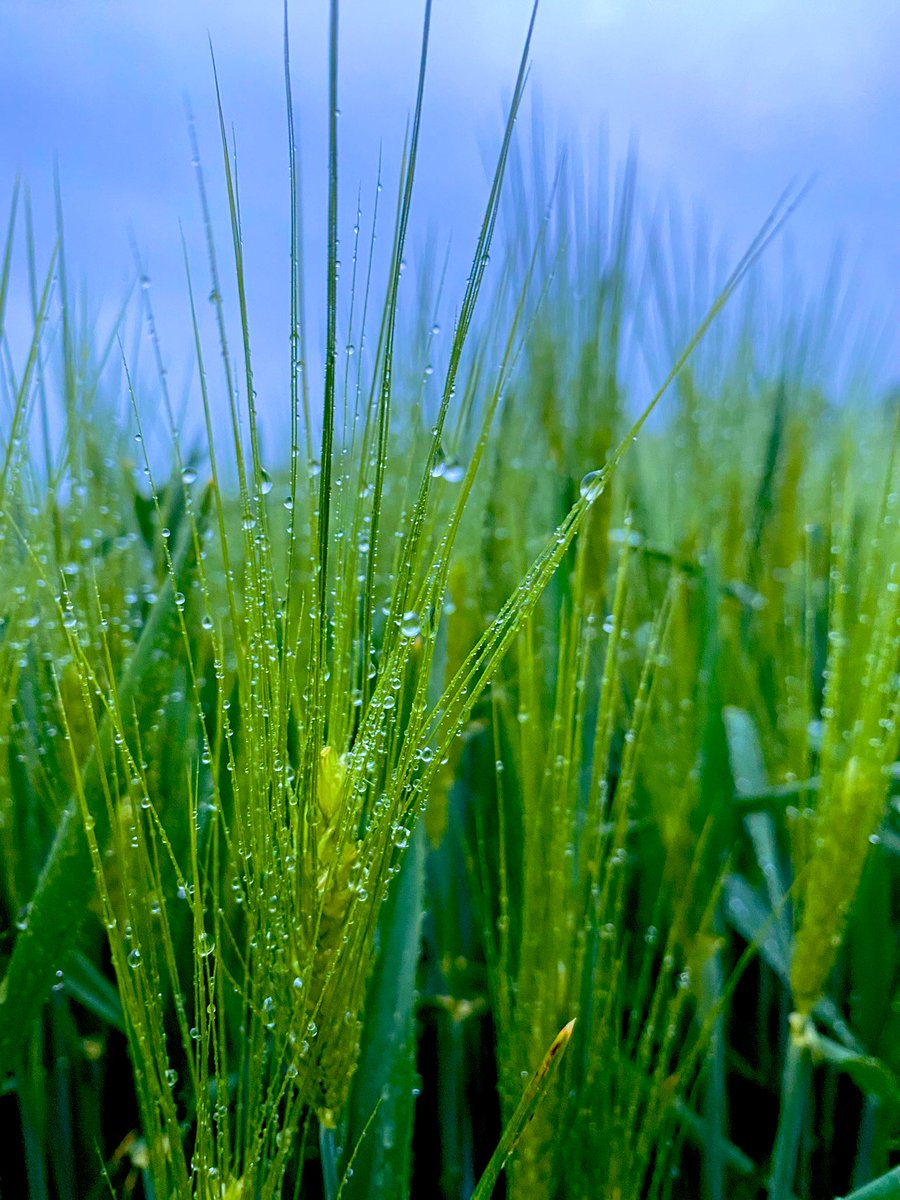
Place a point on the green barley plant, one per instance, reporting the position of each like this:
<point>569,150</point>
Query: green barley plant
<point>335,789</point>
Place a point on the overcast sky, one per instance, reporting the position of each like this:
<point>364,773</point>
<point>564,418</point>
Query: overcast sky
<point>729,102</point>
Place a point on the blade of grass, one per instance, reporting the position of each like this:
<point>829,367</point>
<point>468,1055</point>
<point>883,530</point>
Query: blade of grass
<point>886,1187</point>
<point>532,1096</point>
<point>385,1074</point>
<point>60,901</point>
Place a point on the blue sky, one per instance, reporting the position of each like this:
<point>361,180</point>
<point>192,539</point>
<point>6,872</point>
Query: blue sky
<point>728,103</point>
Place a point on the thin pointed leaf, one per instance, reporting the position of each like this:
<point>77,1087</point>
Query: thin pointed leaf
<point>66,885</point>
<point>531,1098</point>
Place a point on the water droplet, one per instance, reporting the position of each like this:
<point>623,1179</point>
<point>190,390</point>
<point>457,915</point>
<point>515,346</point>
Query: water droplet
<point>454,471</point>
<point>410,625</point>
<point>135,959</point>
<point>591,485</point>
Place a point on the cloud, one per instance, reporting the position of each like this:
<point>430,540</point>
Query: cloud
<point>729,102</point>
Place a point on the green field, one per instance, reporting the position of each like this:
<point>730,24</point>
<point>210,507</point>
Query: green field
<point>335,784</point>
